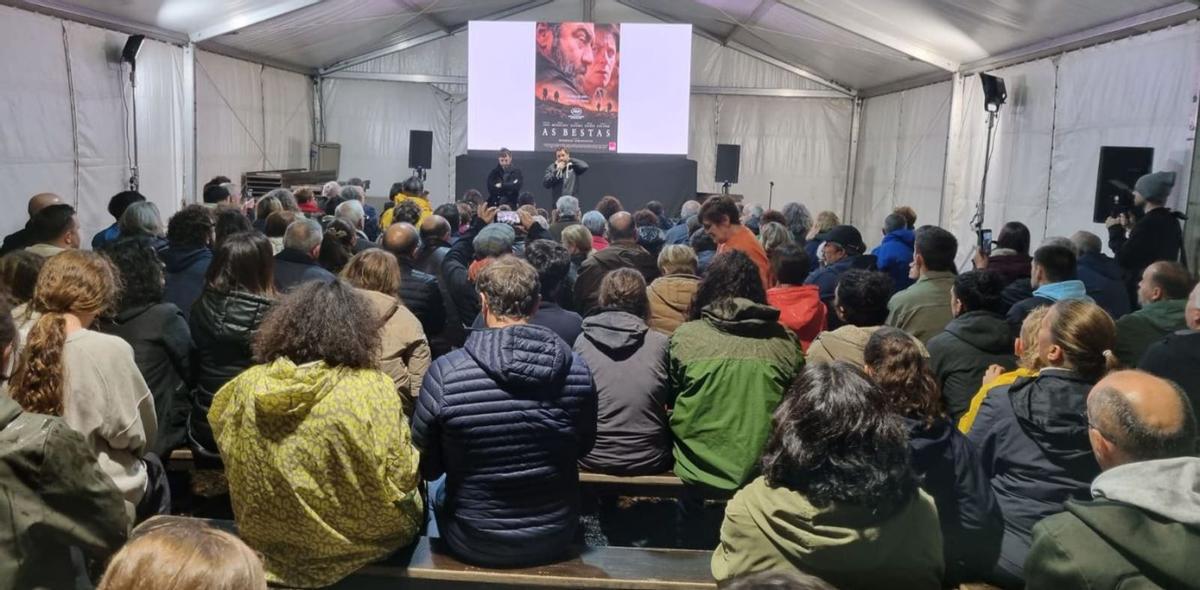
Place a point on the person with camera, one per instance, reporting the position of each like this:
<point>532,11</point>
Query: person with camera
<point>1155,236</point>
<point>504,181</point>
<point>562,175</point>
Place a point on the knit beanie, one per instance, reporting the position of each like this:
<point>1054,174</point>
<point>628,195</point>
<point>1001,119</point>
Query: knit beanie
<point>1156,187</point>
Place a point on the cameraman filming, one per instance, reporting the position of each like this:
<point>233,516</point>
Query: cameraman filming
<point>1155,236</point>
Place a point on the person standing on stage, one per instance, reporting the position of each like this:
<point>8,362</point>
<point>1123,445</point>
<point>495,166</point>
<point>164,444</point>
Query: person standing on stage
<point>562,175</point>
<point>504,182</point>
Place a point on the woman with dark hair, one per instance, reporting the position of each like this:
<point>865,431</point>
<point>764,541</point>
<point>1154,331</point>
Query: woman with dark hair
<point>941,456</point>
<point>337,245</point>
<point>159,335</point>
<point>837,498</point>
<point>609,206</point>
<point>729,369</point>
<point>18,275</point>
<point>238,292</point>
<point>1010,258</point>
<point>628,362</point>
<point>229,222</point>
<point>188,254</point>
<point>321,467</point>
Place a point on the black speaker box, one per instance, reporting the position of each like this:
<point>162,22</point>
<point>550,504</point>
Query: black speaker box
<point>1120,168</point>
<point>994,92</point>
<point>420,149</point>
<point>729,159</point>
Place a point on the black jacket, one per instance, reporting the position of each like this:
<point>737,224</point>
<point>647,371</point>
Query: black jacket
<point>1177,357</point>
<point>456,268</point>
<point>223,326</point>
<point>566,324</point>
<point>421,295</point>
<point>961,354</point>
<point>18,240</point>
<point>185,270</point>
<point>1102,277</point>
<point>616,255</point>
<point>510,182</point>
<point>429,261</point>
<point>294,268</point>
<point>970,517</point>
<point>505,418</point>
<point>1156,236</point>
<point>1020,310</point>
<point>1032,439</point>
<point>162,347</point>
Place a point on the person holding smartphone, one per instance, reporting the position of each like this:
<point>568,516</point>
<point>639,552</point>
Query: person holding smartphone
<point>562,175</point>
<point>504,181</point>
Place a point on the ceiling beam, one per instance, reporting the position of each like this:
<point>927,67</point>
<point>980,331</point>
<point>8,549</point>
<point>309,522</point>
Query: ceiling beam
<point>417,78</point>
<point>759,11</point>
<point>251,18</point>
<point>904,46</point>
<point>429,15</point>
<point>84,15</point>
<point>235,53</point>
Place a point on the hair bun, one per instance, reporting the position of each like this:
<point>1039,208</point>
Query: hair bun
<point>1108,354</point>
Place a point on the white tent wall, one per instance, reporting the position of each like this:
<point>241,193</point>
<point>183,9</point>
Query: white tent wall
<point>249,117</point>
<point>74,136</point>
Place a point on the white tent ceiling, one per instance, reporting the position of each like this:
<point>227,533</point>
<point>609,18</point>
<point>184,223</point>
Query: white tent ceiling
<point>852,44</point>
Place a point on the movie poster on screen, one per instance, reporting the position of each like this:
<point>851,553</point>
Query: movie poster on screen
<point>576,86</point>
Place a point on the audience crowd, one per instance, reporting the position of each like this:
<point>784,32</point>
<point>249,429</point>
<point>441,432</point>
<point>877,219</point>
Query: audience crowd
<point>359,379</point>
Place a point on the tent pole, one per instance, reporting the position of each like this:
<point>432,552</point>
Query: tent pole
<point>1191,228</point>
<point>188,124</point>
<point>953,134</point>
<point>856,111</point>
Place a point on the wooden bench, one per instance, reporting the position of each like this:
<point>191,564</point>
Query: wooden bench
<point>428,565</point>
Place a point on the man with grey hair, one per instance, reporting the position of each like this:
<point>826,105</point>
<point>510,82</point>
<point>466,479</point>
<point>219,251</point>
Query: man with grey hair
<point>356,192</point>
<point>285,198</point>
<point>567,211</point>
<point>297,264</point>
<point>1142,527</point>
<point>1177,356</point>
<point>895,253</point>
<point>1100,274</point>
<point>352,212</point>
<point>680,234</point>
<point>594,221</point>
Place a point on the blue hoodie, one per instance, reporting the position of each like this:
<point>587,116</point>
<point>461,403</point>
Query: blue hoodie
<point>185,270</point>
<point>1072,289</point>
<point>894,256</point>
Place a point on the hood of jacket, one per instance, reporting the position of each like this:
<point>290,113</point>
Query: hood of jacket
<point>150,310</point>
<point>674,291</point>
<point>1167,487</point>
<point>847,341</point>
<point>1165,316</point>
<point>522,356</point>
<point>651,237</point>
<point>178,260</point>
<point>1101,265</point>
<point>803,299</point>
<point>9,410</point>
<point>929,440</point>
<point>983,330</point>
<point>1052,410</point>
<point>736,315</point>
<point>615,331</point>
<point>902,236</point>
<point>622,255</point>
<point>1072,289</point>
<point>231,313</point>
<point>385,306</point>
<point>288,391</point>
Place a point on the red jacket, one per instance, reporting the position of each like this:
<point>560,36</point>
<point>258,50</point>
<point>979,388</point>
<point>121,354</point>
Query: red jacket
<point>599,243</point>
<point>800,310</point>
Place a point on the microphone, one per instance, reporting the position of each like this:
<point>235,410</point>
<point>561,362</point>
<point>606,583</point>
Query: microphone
<point>771,194</point>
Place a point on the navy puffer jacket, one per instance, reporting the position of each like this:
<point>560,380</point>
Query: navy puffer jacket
<point>505,418</point>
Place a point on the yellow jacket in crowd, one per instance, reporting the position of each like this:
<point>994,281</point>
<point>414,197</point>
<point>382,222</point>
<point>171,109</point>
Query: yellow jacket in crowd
<point>386,219</point>
<point>964,423</point>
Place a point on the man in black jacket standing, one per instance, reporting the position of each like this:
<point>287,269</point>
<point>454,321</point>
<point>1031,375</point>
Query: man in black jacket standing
<point>1156,236</point>
<point>504,181</point>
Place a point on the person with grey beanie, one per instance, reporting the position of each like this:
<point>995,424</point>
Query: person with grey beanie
<point>1155,236</point>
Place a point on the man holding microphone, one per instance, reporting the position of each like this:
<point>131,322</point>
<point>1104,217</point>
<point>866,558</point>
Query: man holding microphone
<point>562,175</point>
<point>504,182</point>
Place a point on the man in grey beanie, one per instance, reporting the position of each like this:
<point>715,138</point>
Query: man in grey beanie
<point>1155,236</point>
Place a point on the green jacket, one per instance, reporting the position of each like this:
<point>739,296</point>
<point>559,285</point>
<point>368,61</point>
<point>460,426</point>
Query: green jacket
<point>1138,330</point>
<point>768,528</point>
<point>1142,531</point>
<point>728,370</point>
<point>923,309</point>
<point>53,496</point>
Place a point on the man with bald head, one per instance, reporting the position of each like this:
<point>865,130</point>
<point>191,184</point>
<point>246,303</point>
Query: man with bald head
<point>1177,357</point>
<point>623,251</point>
<point>1162,293</point>
<point>435,243</point>
<point>1142,527</point>
<point>24,237</point>
<point>418,290</point>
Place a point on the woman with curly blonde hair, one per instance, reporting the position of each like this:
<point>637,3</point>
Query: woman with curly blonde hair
<point>86,377</point>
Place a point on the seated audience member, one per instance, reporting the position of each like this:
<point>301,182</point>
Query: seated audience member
<point>24,237</point>
<point>188,254</point>
<point>287,201</point>
<point>894,255</point>
<point>57,499</point>
<point>771,215</point>
<point>909,214</point>
<point>88,378</point>
<point>337,245</point>
<point>1053,280</point>
<point>264,208</point>
<point>298,262</point>
<point>678,234</point>
<point>116,207</point>
<point>54,229</point>
<point>941,456</point>
<point>659,211</point>
<point>353,214</point>
<point>411,191</point>
<point>552,264</point>
<point>719,215</point>
<point>596,223</point>
<point>1177,356</point>
<point>772,235</point>
<point>436,237</point>
<point>1032,436</point>
<point>799,305</point>
<point>976,339</point>
<point>798,221</point>
<point>837,498</point>
<point>407,212</point>
<point>649,235</point>
<point>238,292</point>
<point>671,294</point>
<point>317,379</point>
<point>1009,257</point>
<point>227,221</point>
<point>1100,274</point>
<point>184,553</point>
<point>404,352</point>
<point>142,222</point>
<point>628,362</point>
<point>159,335</point>
<point>1142,526</point>
<point>609,206</point>
<point>623,251</point>
<point>520,384</point>
<point>996,378</point>
<point>419,291</point>
<point>331,190</point>
<point>923,309</point>
<point>733,337</point>
<point>1162,295</point>
<point>578,242</point>
<point>705,248</point>
<point>567,209</point>
<point>817,233</point>
<point>843,251</point>
<point>276,228</point>
<point>453,217</point>
<point>480,244</point>
<point>306,202</point>
<point>18,276</point>
<point>860,302</point>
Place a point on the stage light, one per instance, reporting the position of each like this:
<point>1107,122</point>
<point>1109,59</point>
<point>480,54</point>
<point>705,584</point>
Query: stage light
<point>994,93</point>
<point>133,46</point>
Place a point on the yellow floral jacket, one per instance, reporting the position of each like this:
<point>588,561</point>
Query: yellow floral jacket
<point>321,468</point>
